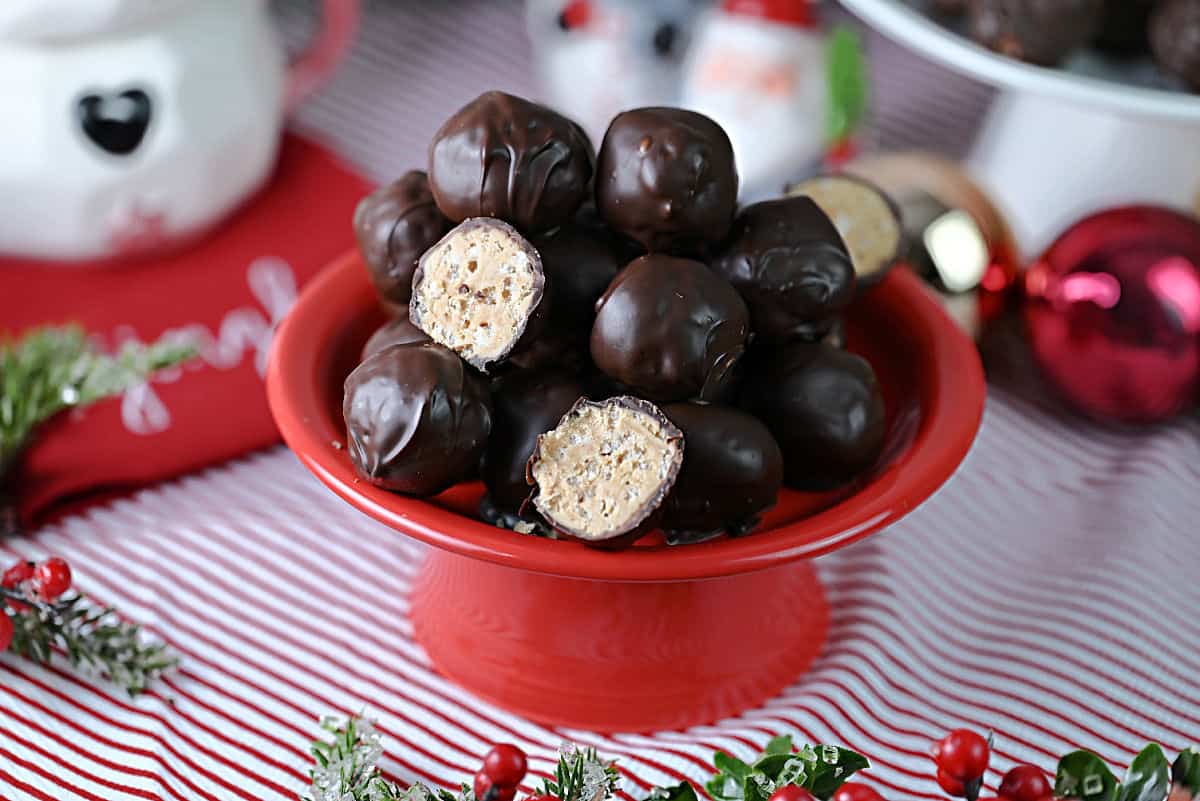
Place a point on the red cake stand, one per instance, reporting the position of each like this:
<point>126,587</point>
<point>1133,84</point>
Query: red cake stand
<point>654,637</point>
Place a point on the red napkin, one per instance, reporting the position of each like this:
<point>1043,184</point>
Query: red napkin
<point>231,289</point>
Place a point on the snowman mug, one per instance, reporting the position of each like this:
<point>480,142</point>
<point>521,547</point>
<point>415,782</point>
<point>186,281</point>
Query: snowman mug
<point>130,125</point>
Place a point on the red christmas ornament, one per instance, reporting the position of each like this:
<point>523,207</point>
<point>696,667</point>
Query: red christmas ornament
<point>1113,313</point>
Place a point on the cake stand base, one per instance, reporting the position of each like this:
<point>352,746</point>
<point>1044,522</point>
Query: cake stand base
<point>615,656</point>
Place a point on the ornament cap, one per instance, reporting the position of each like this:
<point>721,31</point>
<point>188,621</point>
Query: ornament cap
<point>785,12</point>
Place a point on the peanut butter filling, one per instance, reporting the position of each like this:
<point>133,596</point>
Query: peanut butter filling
<point>601,471</point>
<point>862,216</point>
<point>477,289</point>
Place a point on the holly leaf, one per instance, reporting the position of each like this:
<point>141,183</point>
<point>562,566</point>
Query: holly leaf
<point>846,73</point>
<point>798,769</point>
<point>726,785</point>
<point>684,791</point>
<point>731,765</point>
<point>1186,771</point>
<point>757,787</point>
<point>1083,775</point>
<point>779,745</point>
<point>834,766</point>
<point>771,765</point>
<point>1148,777</point>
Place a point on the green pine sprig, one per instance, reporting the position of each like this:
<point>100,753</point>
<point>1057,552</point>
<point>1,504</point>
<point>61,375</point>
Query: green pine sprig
<point>93,639</point>
<point>347,768</point>
<point>52,369</point>
<point>581,775</point>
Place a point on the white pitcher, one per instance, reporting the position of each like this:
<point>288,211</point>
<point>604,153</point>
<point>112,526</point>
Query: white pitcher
<point>128,125</point>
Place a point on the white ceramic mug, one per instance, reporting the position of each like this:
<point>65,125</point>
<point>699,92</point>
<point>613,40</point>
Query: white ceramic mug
<point>128,125</point>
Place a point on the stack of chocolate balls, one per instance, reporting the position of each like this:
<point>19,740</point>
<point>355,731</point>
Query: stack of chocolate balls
<point>606,338</point>
<point>1046,32</point>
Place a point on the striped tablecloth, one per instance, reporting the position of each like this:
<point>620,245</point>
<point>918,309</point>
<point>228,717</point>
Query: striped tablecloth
<point>1048,592</point>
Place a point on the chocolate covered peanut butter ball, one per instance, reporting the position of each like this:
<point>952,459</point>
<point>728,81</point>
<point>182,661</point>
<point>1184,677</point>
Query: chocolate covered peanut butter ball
<point>602,473</point>
<point>665,177</point>
<point>670,329</point>
<point>397,331</point>
<point>417,419</point>
<point>394,225</point>
<point>1175,39</point>
<point>732,472</point>
<point>525,405</point>
<point>503,156</point>
<point>865,217</point>
<point>824,408</point>
<point>1041,32</point>
<point>787,260</point>
<point>580,261</point>
<point>480,291</point>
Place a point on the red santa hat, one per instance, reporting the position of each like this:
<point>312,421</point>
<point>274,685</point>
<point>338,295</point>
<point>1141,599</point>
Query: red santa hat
<point>784,12</point>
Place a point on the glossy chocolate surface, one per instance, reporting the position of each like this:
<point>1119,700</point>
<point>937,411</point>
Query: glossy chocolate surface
<point>666,178</point>
<point>670,329</point>
<point>1175,39</point>
<point>824,407</point>
<point>397,331</point>
<point>732,471</point>
<point>788,262</point>
<point>1038,31</point>
<point>524,405</point>
<point>394,225</point>
<point>580,260</point>
<point>503,156</point>
<point>417,419</point>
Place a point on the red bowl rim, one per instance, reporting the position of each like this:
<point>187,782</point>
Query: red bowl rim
<point>948,427</point>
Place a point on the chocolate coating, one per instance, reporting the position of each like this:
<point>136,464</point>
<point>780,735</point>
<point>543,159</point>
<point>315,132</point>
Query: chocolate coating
<point>394,225</point>
<point>1038,31</point>
<point>503,156</point>
<point>397,331</point>
<point>1124,26</point>
<point>732,471</point>
<point>824,407</point>
<point>666,178</point>
<point>525,405</point>
<point>670,329</point>
<point>1175,39</point>
<point>579,261</point>
<point>788,262</point>
<point>417,419</point>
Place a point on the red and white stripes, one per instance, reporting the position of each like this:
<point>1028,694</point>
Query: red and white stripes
<point>1048,592</point>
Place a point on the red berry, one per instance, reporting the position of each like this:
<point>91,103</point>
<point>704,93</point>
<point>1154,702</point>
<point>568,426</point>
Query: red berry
<point>950,784</point>
<point>1025,783</point>
<point>543,798</point>
<point>52,578</point>
<point>21,571</point>
<point>856,791</point>
<point>483,784</point>
<point>6,631</point>
<point>962,754</point>
<point>505,765</point>
<point>792,792</point>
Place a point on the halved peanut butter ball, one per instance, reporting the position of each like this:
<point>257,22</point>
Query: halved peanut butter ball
<point>867,219</point>
<point>602,473</point>
<point>479,291</point>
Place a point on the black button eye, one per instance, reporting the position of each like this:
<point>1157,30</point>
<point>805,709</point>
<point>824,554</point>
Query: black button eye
<point>115,122</point>
<point>665,38</point>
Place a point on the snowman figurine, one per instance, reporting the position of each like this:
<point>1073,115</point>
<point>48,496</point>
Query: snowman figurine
<point>597,58</point>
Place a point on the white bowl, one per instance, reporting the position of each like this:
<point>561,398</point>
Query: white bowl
<point>1061,142</point>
